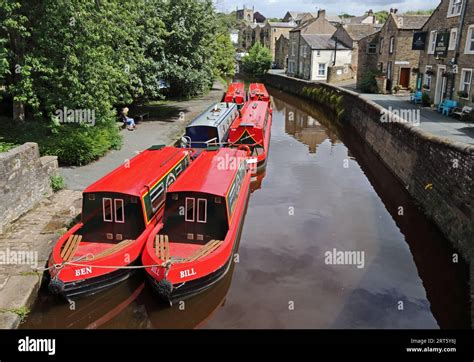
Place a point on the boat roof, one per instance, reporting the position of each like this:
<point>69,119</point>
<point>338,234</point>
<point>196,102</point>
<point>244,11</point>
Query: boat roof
<point>252,115</point>
<point>236,87</point>
<point>207,174</point>
<point>214,115</point>
<point>258,87</point>
<point>143,170</point>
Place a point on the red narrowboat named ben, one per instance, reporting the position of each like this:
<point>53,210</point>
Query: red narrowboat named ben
<point>258,92</point>
<point>204,215</point>
<point>252,131</point>
<point>236,94</point>
<point>119,212</point>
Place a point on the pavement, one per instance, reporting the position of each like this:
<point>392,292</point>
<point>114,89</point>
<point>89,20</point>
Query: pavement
<point>430,120</point>
<point>25,245</point>
<point>164,128</point>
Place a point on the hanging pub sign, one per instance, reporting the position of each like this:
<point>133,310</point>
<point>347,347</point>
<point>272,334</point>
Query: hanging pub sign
<point>419,40</point>
<point>442,41</point>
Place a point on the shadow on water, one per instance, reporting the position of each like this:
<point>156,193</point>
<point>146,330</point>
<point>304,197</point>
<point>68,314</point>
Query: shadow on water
<point>444,274</point>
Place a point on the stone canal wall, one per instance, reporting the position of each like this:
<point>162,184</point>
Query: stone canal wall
<point>437,173</point>
<point>24,181</point>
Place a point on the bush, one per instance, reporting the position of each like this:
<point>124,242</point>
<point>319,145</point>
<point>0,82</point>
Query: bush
<point>57,183</point>
<point>368,83</point>
<point>425,100</point>
<point>258,61</point>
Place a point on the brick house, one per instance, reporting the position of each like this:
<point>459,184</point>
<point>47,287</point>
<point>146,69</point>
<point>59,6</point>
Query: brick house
<point>448,73</point>
<point>319,25</point>
<point>272,31</point>
<point>281,52</point>
<point>351,34</point>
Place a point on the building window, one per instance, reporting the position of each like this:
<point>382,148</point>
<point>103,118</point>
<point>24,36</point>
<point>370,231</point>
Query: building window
<point>372,49</point>
<point>470,40</point>
<point>381,46</point>
<point>455,7</point>
<point>392,44</point>
<point>427,79</point>
<point>322,69</point>
<point>452,39</point>
<point>465,85</point>
<point>293,48</point>
<point>305,51</point>
<point>318,53</point>
<point>432,44</point>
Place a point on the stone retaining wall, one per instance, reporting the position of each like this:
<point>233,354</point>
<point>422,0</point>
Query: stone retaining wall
<point>24,181</point>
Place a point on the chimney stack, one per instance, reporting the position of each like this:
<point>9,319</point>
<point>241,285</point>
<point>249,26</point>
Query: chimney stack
<point>322,14</point>
<point>370,12</point>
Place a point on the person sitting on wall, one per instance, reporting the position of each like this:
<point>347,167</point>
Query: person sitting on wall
<point>127,121</point>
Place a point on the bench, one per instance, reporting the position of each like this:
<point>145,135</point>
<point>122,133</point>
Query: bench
<point>416,97</point>
<point>462,112</point>
<point>447,106</point>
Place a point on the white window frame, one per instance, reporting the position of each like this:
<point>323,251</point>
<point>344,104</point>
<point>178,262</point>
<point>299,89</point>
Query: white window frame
<point>111,209</point>
<point>305,51</point>
<point>156,194</point>
<point>186,209</point>
<point>432,43</point>
<point>428,76</point>
<point>198,218</point>
<point>293,49</point>
<point>319,70</point>
<point>391,46</point>
<point>116,201</point>
<point>469,40</point>
<point>462,83</point>
<point>453,39</point>
<point>381,45</point>
<point>455,8</point>
<point>179,169</point>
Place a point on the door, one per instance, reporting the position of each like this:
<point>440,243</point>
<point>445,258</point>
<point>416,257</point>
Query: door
<point>195,219</point>
<point>113,214</point>
<point>389,76</point>
<point>405,77</point>
<point>440,85</point>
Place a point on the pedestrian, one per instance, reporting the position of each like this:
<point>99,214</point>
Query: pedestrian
<point>127,121</point>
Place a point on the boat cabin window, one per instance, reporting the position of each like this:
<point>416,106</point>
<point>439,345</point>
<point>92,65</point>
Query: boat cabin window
<point>202,211</point>
<point>179,169</point>
<point>202,134</point>
<point>189,209</point>
<point>110,217</point>
<point>157,197</point>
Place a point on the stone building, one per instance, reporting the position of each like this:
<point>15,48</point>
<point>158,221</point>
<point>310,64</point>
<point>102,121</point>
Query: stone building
<point>245,14</point>
<point>272,31</point>
<point>367,18</point>
<point>396,59</point>
<point>303,17</point>
<point>318,53</point>
<point>319,25</point>
<point>368,50</point>
<point>281,52</point>
<point>252,34</point>
<point>351,34</point>
<point>446,68</point>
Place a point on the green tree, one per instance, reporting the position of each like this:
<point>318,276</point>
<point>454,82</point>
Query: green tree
<point>4,65</point>
<point>188,54</point>
<point>381,16</point>
<point>224,61</point>
<point>258,61</point>
<point>420,12</point>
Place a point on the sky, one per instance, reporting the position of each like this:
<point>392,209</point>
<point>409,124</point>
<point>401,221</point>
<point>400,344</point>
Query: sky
<point>278,8</point>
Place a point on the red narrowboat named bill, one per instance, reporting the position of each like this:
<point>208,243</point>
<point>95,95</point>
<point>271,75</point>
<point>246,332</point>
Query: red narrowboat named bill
<point>119,212</point>
<point>204,215</point>
<point>236,94</point>
<point>252,131</point>
<point>258,92</point>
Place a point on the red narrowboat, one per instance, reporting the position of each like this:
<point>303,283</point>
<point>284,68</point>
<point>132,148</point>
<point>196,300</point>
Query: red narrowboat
<point>118,214</point>
<point>258,92</point>
<point>252,131</point>
<point>236,94</point>
<point>204,215</point>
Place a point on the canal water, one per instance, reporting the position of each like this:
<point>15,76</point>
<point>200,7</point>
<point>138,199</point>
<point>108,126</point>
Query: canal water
<point>324,193</point>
